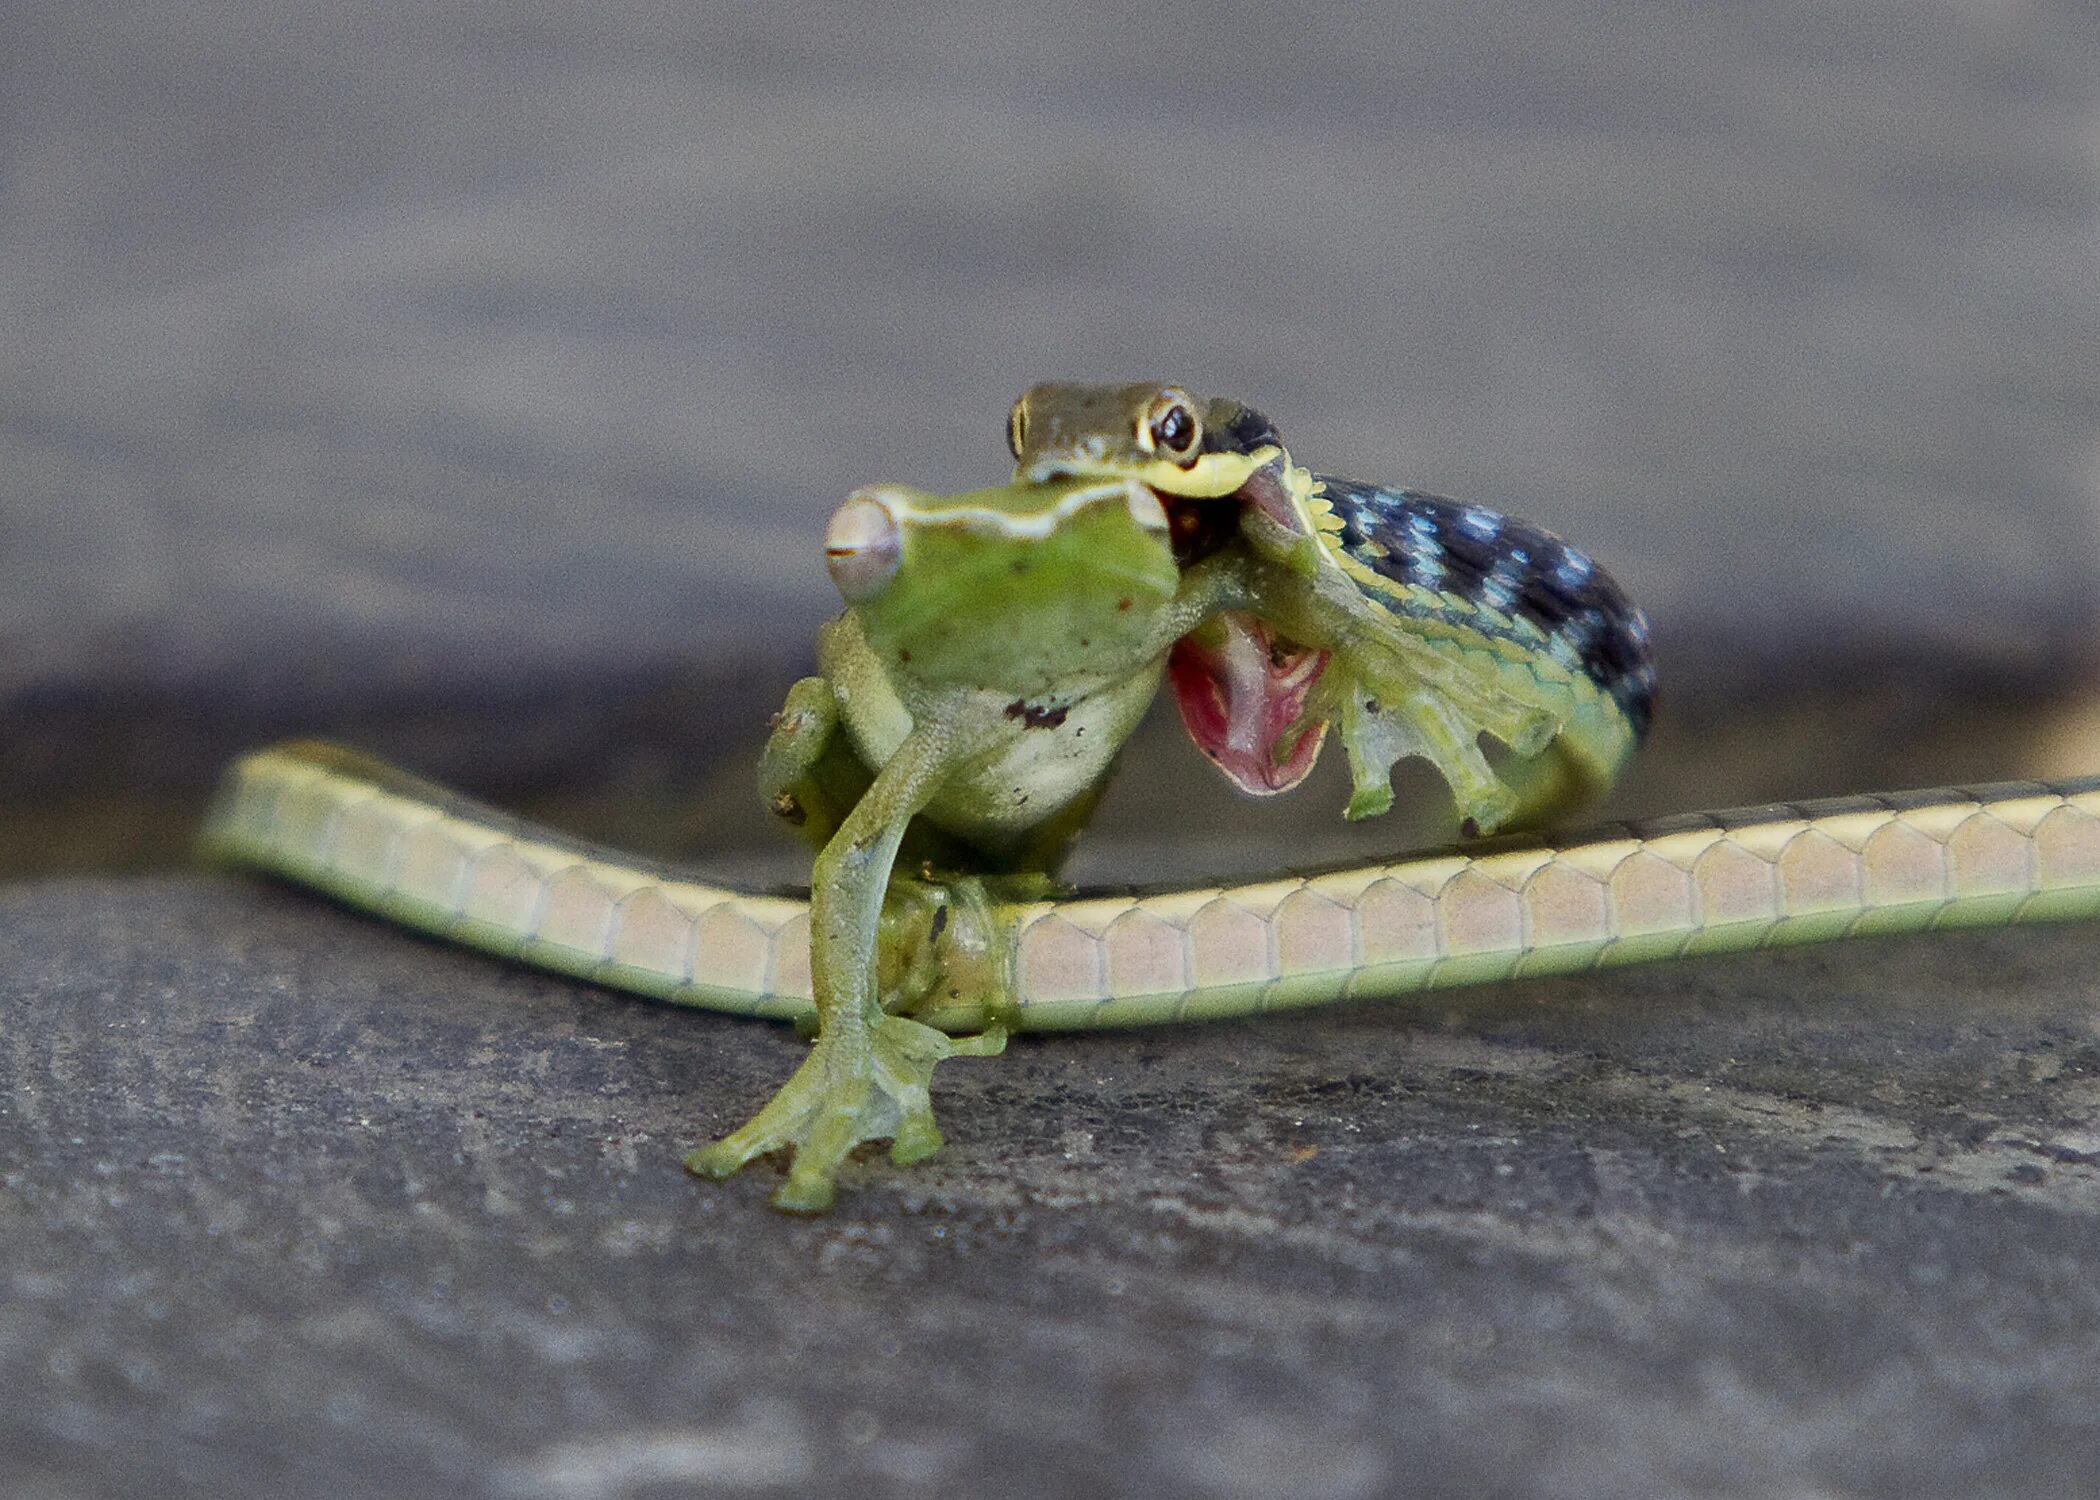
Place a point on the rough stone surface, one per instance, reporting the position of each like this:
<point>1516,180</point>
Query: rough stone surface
<point>474,383</point>
<point>296,1205</point>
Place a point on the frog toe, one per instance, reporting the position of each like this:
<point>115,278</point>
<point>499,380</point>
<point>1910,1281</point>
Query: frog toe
<point>872,1088</point>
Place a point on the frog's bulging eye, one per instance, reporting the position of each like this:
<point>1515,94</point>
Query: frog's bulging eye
<point>862,546</point>
<point>1173,429</point>
<point>1017,427</point>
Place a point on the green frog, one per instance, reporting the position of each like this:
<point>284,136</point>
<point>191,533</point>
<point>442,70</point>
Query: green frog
<point>998,648</point>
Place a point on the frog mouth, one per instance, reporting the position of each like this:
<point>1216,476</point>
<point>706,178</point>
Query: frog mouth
<point>1242,691</point>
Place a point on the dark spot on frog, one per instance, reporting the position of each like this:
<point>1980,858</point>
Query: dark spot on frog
<point>940,924</point>
<point>1122,606</point>
<point>785,806</point>
<point>902,654</point>
<point>1469,829</point>
<point>1033,717</point>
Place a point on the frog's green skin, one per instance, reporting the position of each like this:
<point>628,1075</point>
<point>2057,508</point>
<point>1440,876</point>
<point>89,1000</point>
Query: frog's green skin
<point>999,647</point>
<point>1443,621</point>
<point>996,651</point>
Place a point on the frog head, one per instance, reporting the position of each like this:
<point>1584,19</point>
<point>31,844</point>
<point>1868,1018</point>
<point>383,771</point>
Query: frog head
<point>1028,589</point>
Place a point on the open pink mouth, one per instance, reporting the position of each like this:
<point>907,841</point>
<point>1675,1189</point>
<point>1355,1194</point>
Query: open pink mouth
<point>1240,688</point>
<point>1241,692</point>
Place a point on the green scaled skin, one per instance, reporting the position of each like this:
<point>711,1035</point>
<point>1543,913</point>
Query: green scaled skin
<point>999,647</point>
<point>996,651</point>
<point>1409,657</point>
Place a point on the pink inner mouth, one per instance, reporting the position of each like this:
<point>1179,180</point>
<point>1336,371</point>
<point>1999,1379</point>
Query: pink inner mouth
<point>1242,698</point>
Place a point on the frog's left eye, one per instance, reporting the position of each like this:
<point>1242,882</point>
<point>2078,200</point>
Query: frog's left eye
<point>862,546</point>
<point>1172,428</point>
<point>1017,427</point>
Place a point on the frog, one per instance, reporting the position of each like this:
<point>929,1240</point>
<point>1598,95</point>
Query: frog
<point>998,648</point>
<point>996,651</point>
<point>1417,624</point>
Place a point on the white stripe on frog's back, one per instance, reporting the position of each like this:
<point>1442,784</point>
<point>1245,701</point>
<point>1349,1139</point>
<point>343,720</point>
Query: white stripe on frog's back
<point>1034,526</point>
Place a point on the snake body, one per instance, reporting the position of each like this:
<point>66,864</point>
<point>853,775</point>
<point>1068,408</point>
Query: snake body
<point>432,860</point>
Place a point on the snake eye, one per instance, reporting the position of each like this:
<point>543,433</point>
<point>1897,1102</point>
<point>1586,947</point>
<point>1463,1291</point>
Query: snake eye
<point>1173,428</point>
<point>1017,427</point>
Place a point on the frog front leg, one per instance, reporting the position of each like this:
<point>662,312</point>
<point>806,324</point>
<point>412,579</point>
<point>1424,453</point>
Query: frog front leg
<point>868,1075</point>
<point>808,774</point>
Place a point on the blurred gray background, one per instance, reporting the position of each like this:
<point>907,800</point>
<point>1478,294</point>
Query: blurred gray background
<point>474,381</point>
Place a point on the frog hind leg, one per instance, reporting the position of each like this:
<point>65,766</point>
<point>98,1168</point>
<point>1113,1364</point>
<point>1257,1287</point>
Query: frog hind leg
<point>868,1075</point>
<point>1395,693</point>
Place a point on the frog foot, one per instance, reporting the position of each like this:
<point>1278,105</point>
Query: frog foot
<point>851,1088</point>
<point>1377,734</point>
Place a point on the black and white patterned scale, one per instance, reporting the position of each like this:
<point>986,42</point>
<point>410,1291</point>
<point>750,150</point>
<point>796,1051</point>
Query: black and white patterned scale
<point>1509,570</point>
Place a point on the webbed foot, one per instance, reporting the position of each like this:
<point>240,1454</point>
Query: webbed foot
<point>1377,734</point>
<point>849,1089</point>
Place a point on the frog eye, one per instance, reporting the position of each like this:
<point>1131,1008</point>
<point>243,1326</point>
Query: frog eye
<point>1017,427</point>
<point>1172,428</point>
<point>862,546</point>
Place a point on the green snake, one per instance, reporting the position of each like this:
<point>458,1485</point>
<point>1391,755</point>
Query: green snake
<point>1627,893</point>
<point>997,649</point>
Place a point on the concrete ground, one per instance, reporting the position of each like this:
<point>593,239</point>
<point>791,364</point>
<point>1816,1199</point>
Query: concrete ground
<point>476,389</point>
